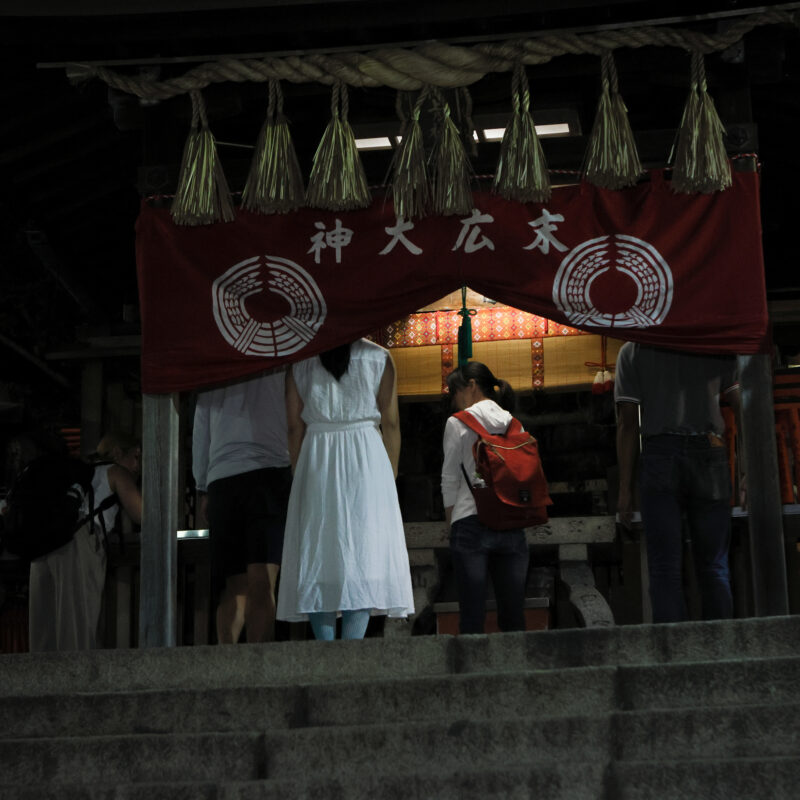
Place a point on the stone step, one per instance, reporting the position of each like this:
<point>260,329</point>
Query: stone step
<point>651,735</point>
<point>131,759</point>
<point>716,733</point>
<point>339,753</point>
<point>292,663</point>
<point>752,681</point>
<point>539,694</point>
<point>743,778</point>
<point>554,781</point>
<point>724,779</point>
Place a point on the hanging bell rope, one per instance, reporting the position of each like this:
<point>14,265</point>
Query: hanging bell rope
<point>338,181</point>
<point>202,196</point>
<point>465,330</point>
<point>275,182</point>
<point>612,161</point>
<point>521,172</point>
<point>434,63</point>
<point>700,161</point>
<point>411,186</point>
<point>452,172</point>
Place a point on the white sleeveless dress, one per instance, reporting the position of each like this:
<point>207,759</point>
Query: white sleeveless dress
<point>344,546</point>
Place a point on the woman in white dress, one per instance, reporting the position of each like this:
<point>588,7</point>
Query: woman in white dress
<point>344,547</point>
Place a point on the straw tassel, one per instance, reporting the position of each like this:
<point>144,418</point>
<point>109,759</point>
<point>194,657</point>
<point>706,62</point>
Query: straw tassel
<point>411,188</point>
<point>700,160</point>
<point>611,158</point>
<point>202,196</point>
<point>275,183</point>
<point>452,193</point>
<point>337,181</point>
<point>521,173</point>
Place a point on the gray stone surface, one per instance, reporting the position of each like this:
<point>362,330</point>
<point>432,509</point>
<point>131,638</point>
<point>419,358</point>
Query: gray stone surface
<point>689,711</point>
<point>449,744</point>
<point>707,733</point>
<point>744,778</point>
<point>757,681</point>
<point>90,759</point>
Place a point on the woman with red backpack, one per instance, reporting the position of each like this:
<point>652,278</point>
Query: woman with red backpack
<point>478,551</point>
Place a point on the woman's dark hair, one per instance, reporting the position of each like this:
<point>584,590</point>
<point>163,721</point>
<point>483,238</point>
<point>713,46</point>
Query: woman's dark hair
<point>494,388</point>
<point>336,360</point>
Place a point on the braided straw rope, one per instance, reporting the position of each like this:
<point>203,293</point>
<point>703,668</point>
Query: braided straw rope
<point>436,64</point>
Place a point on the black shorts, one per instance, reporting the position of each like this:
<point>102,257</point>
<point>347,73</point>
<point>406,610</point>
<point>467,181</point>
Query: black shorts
<point>246,516</point>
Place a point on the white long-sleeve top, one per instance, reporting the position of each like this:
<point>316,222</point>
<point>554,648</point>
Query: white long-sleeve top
<point>239,428</point>
<point>457,444</point>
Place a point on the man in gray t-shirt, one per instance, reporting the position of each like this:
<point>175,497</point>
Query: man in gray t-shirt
<point>683,469</point>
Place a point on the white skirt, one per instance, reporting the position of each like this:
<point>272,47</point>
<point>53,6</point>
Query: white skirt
<point>344,546</point>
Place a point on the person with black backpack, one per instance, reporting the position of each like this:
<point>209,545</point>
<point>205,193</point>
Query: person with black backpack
<point>67,580</point>
<point>487,537</point>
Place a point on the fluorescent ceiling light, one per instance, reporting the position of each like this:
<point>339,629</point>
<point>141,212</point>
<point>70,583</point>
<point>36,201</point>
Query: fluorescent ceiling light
<point>488,128</point>
<point>374,143</point>
<point>553,129</point>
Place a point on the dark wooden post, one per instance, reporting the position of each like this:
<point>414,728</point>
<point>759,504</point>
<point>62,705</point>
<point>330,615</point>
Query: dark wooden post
<point>161,504</point>
<point>765,513</point>
<point>91,405</point>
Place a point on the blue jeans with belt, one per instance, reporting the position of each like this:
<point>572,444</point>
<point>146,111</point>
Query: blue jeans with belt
<point>686,476</point>
<point>478,553</point>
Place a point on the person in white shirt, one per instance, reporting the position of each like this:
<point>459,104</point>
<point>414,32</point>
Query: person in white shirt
<point>240,461</point>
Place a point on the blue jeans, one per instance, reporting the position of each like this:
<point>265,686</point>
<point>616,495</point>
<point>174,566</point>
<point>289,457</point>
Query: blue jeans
<point>685,476</point>
<point>479,553</point>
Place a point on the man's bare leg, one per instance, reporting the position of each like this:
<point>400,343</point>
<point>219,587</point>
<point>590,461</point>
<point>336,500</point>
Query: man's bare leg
<point>232,609</point>
<point>260,609</point>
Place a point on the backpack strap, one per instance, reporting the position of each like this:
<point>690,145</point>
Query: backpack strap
<point>472,423</point>
<point>466,477</point>
<point>515,426</point>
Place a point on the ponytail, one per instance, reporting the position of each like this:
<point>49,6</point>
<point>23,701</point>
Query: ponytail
<point>493,388</point>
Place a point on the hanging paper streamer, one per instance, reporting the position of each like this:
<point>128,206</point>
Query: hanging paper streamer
<point>202,195</point>
<point>612,161</point>
<point>465,330</point>
<point>521,172</point>
<point>337,181</point>
<point>411,188</point>
<point>275,182</point>
<point>451,168</point>
<point>700,160</point>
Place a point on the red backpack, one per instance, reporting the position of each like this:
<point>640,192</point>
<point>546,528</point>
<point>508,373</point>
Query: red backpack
<point>511,491</point>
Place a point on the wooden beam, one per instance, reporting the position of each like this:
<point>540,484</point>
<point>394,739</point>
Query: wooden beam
<point>765,517</point>
<point>91,405</point>
<point>161,503</point>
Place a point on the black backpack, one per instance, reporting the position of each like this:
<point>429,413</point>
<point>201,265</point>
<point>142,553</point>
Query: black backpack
<point>49,501</point>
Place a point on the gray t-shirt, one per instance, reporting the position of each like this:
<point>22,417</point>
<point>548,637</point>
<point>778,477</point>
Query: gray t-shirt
<point>677,392</point>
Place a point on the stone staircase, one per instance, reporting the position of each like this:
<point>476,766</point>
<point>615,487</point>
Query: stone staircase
<point>696,710</point>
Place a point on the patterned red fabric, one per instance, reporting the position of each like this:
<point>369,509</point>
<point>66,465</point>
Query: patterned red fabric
<point>223,301</point>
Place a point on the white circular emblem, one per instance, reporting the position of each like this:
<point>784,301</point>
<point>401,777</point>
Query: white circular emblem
<point>282,336</point>
<point>618,259</point>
